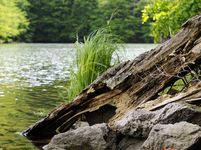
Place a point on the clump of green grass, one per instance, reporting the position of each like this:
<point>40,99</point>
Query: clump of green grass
<point>93,57</point>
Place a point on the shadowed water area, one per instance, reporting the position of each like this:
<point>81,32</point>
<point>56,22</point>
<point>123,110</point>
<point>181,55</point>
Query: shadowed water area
<point>33,80</point>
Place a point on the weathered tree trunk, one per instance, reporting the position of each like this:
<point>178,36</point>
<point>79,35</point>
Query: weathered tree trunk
<point>130,85</point>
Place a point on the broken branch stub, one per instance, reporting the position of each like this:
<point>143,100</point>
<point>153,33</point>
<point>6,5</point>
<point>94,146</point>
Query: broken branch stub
<point>129,84</point>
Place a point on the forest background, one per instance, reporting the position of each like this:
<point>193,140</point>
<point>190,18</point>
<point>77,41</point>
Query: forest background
<point>62,21</point>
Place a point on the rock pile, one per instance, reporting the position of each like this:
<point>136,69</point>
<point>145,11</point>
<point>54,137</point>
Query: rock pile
<point>176,126</point>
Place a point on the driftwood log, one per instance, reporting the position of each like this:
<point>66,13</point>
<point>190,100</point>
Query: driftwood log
<point>132,84</point>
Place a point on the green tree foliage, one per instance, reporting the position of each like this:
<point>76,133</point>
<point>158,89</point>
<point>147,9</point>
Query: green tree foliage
<point>167,16</point>
<point>12,20</point>
<point>64,20</point>
<point>124,18</point>
<point>60,20</point>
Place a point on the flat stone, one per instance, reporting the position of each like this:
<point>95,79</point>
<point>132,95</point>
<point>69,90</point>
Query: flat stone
<point>138,123</point>
<point>83,138</point>
<point>178,136</point>
<point>130,143</point>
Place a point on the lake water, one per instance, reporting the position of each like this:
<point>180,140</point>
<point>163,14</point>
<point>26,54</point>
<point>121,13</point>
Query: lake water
<point>33,81</point>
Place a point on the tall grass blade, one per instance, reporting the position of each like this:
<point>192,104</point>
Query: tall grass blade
<point>93,57</point>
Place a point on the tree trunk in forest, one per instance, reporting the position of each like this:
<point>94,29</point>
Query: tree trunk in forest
<point>132,84</point>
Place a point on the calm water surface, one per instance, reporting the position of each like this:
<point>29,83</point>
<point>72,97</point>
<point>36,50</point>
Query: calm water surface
<point>33,81</point>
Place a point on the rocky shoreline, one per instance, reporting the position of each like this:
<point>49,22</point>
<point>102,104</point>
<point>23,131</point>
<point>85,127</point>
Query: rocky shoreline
<point>176,126</point>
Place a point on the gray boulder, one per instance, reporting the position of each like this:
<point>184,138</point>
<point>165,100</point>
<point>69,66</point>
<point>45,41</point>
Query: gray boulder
<point>138,123</point>
<point>79,124</point>
<point>83,138</point>
<point>130,143</point>
<point>178,136</point>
